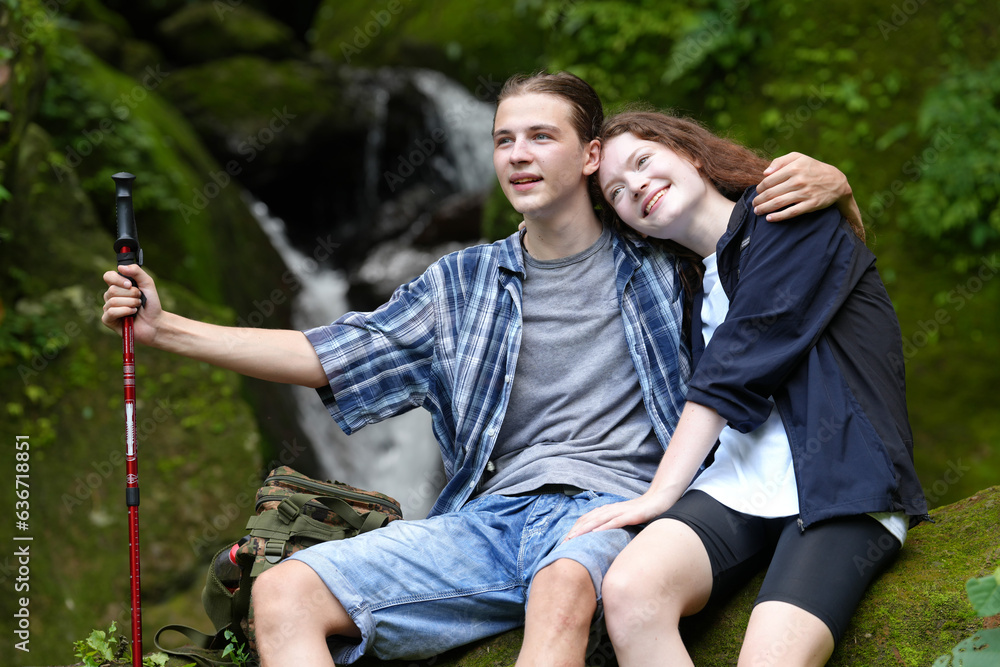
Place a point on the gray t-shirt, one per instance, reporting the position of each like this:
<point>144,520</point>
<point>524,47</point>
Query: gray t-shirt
<point>576,414</point>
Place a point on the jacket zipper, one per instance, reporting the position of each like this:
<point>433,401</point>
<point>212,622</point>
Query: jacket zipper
<point>325,490</point>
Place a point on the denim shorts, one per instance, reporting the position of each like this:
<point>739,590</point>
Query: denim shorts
<point>418,588</point>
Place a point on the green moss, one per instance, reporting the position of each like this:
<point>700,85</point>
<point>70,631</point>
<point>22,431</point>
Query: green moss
<point>446,36</point>
<point>206,31</point>
<point>235,96</point>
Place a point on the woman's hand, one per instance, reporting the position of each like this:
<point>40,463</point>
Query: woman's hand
<point>633,512</point>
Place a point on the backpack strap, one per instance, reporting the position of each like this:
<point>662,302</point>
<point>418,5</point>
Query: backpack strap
<point>287,520</point>
<point>204,650</point>
<point>292,506</point>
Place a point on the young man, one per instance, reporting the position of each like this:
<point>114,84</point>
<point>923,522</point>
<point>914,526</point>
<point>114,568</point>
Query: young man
<point>552,366</point>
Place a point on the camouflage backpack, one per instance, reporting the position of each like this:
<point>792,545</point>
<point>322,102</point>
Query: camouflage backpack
<point>293,512</point>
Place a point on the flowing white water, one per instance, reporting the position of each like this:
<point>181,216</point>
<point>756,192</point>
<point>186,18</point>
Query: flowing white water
<point>399,456</point>
<point>467,125</point>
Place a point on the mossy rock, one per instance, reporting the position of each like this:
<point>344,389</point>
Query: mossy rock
<point>916,611</point>
<point>193,222</point>
<point>263,115</point>
<point>60,373</point>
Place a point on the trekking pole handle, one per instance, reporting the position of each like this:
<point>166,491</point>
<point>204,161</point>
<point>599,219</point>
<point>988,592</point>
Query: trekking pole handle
<point>127,244</point>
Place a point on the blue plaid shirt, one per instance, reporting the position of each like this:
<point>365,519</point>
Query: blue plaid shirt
<point>448,342</point>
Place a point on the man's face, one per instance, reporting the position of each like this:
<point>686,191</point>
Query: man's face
<point>538,157</point>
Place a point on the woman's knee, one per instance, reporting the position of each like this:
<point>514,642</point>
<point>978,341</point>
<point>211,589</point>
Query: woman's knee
<point>623,589</point>
<point>663,574</point>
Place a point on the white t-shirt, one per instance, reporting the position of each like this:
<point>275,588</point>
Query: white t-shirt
<point>752,472</point>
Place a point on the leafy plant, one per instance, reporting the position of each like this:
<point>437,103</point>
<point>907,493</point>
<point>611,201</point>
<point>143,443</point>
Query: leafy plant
<point>955,196</point>
<point>104,647</point>
<point>983,648</point>
<point>235,650</point>
<point>627,50</point>
<point>101,647</point>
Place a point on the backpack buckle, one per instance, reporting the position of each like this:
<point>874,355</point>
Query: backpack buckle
<point>274,551</point>
<point>287,510</point>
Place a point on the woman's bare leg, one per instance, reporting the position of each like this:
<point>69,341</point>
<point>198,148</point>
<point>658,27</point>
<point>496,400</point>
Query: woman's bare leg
<point>661,576</point>
<point>783,634</point>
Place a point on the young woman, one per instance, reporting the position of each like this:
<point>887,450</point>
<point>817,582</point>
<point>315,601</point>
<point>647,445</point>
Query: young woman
<point>796,412</point>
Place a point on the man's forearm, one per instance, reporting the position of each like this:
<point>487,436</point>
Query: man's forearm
<point>848,208</point>
<point>276,355</point>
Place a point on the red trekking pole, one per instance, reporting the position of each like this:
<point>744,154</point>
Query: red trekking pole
<point>129,252</point>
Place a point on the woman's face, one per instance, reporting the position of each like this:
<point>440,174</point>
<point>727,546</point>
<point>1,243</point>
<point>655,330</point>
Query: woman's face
<point>653,189</point>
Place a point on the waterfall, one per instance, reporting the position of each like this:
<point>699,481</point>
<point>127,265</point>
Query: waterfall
<point>468,124</point>
<point>399,456</point>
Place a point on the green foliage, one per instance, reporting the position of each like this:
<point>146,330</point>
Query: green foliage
<point>983,648</point>
<point>103,647</point>
<point>236,651</point>
<point>984,594</point>
<point>93,121</point>
<point>956,194</point>
<point>636,50</point>
<point>980,650</point>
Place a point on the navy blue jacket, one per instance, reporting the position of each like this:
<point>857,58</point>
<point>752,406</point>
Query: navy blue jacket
<point>810,323</point>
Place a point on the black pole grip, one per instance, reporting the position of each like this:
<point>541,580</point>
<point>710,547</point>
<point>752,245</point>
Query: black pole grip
<point>128,236</point>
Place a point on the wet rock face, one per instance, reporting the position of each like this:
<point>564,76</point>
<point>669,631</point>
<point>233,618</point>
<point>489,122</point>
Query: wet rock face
<point>364,156</point>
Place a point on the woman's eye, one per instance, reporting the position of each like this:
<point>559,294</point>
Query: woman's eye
<point>642,160</point>
<point>614,193</point>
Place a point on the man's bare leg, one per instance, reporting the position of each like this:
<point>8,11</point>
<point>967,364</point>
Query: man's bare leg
<point>294,613</point>
<point>560,610</point>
